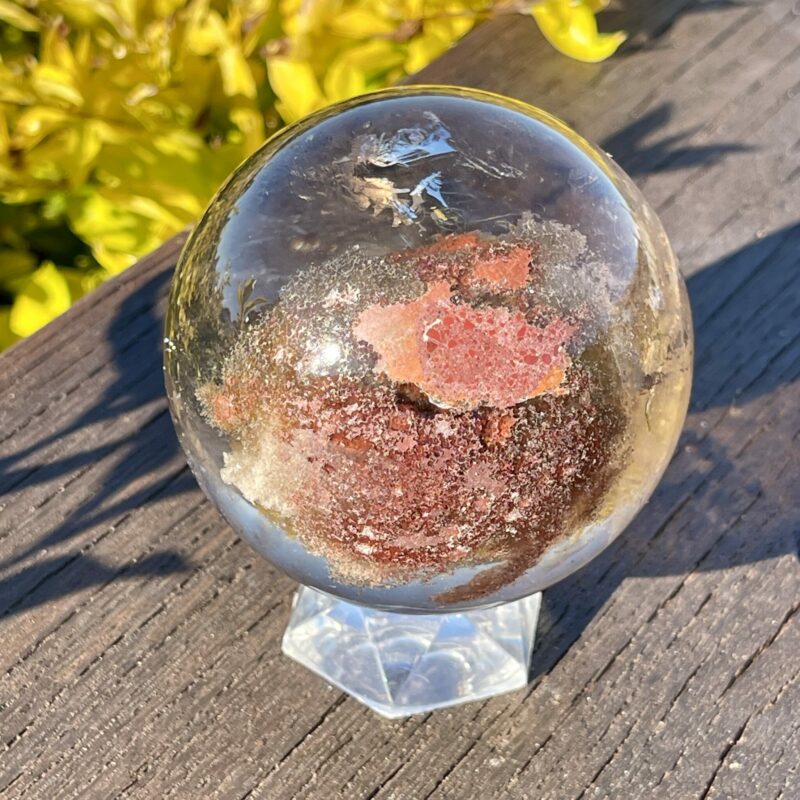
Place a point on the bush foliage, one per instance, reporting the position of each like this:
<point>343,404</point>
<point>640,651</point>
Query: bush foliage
<point>119,118</point>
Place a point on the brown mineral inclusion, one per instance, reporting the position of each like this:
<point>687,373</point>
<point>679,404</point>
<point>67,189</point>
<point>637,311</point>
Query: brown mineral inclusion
<point>420,413</point>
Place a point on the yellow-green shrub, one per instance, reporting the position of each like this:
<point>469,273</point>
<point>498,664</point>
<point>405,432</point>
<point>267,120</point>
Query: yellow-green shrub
<point>119,118</point>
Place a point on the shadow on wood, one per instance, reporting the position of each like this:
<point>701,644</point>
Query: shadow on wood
<point>135,336</point>
<point>646,21</point>
<point>639,151</point>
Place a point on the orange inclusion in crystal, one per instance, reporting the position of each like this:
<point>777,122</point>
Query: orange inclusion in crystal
<point>453,243</point>
<point>465,357</point>
<point>503,271</point>
<point>393,333</point>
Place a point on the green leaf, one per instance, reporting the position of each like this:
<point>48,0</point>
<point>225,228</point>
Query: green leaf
<point>15,266</point>
<point>7,336</point>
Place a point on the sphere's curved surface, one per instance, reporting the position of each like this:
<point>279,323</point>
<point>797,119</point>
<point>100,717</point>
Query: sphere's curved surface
<point>428,349</point>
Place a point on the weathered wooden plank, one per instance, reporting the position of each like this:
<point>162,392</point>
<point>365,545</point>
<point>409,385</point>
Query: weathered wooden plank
<point>141,639</point>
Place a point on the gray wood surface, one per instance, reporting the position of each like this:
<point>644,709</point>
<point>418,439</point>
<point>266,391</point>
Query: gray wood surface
<point>139,639</point>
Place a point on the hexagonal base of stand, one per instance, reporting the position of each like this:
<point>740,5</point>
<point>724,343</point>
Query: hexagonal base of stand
<point>402,664</point>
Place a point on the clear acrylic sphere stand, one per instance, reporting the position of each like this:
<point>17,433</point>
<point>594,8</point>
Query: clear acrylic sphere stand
<point>402,664</point>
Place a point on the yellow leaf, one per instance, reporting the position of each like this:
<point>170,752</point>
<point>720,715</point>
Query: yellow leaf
<point>436,37</point>
<point>114,261</point>
<point>570,26</point>
<point>83,49</point>
<point>420,51</point>
<point>164,8</point>
<point>237,79</point>
<point>207,33</point>
<point>18,17</point>
<point>86,146</point>
<point>250,121</point>
<point>180,144</point>
<point>374,57</point>
<point>117,235</point>
<point>66,155</point>
<point>343,81</point>
<point>353,69</point>
<point>303,18</point>
<point>55,51</point>
<point>12,90</point>
<point>409,9</point>
<point>177,171</point>
<point>360,23</point>
<point>44,296</point>
<point>54,83</point>
<point>451,26</point>
<point>81,13</point>
<point>141,92</point>
<point>35,123</point>
<point>81,282</point>
<point>127,10</point>
<point>153,210</point>
<point>296,86</point>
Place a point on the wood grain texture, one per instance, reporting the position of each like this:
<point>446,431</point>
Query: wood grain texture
<point>140,639</point>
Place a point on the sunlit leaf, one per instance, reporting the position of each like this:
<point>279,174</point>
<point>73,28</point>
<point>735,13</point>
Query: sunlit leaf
<point>117,235</point>
<point>361,23</point>
<point>237,79</point>
<point>55,84</point>
<point>296,86</point>
<point>81,282</point>
<point>570,26</point>
<point>250,122</point>
<point>13,14</point>
<point>55,51</point>
<point>435,37</point>
<point>12,90</point>
<point>44,296</point>
<point>207,34</point>
<point>343,80</point>
<point>35,123</point>
<point>356,67</point>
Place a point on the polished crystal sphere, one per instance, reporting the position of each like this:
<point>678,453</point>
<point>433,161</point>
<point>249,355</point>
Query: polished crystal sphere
<point>428,350</point>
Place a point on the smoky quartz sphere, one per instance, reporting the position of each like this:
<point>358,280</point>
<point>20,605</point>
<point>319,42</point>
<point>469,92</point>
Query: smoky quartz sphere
<point>428,350</point>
